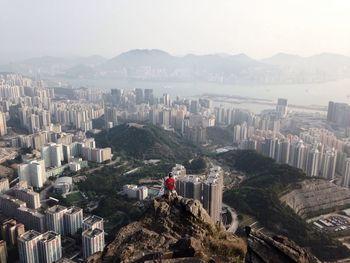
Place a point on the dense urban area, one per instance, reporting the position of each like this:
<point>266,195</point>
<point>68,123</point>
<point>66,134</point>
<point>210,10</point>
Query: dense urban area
<point>78,164</point>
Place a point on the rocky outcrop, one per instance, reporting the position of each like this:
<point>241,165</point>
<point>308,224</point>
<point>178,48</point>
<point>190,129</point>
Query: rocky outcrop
<point>181,231</point>
<point>264,249</point>
<point>177,230</point>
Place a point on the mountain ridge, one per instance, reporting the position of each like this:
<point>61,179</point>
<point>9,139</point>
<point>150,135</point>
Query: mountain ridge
<point>159,65</point>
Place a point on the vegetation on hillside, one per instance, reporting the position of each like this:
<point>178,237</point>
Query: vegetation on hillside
<point>146,142</point>
<point>197,165</point>
<point>258,196</point>
<point>105,185</point>
<point>219,135</point>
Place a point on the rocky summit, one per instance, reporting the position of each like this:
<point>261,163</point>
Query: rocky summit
<point>177,230</point>
<point>181,231</point>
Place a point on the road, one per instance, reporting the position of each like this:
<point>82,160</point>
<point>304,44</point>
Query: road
<point>108,164</point>
<point>234,224</point>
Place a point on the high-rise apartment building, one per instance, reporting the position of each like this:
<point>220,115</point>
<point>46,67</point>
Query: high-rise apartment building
<point>116,95</point>
<point>207,189</point>
<point>346,178</point>
<point>3,251</point>
<point>139,96</point>
<point>52,154</point>
<point>28,247</point>
<point>93,222</point>
<point>34,247</point>
<point>329,161</point>
<point>10,231</point>
<point>33,173</point>
<point>166,99</point>
<point>27,195</point>
<point>55,219</point>
<point>3,126</point>
<point>339,113</point>
<point>190,186</point>
<point>9,205</point>
<point>4,185</point>
<point>149,96</point>
<point>313,163</point>
<point>73,219</point>
<point>92,241</point>
<point>282,107</point>
<point>50,249</point>
<point>32,219</point>
<point>212,194</point>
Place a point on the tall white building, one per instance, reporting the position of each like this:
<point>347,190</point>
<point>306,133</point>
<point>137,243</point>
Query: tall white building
<point>236,133</point>
<point>55,218</point>
<point>329,162</point>
<point>52,154</point>
<point>282,107</point>
<point>34,247</point>
<point>28,247</point>
<point>346,179</point>
<point>4,185</point>
<point>93,241</point>
<point>299,155</point>
<point>33,173</point>
<point>73,219</point>
<point>50,249</point>
<point>313,161</point>
<point>3,126</point>
<point>93,222</point>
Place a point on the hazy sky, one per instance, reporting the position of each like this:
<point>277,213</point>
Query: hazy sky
<point>258,28</point>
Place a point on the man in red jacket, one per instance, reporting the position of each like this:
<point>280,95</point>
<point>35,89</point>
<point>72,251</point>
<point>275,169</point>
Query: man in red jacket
<point>170,186</point>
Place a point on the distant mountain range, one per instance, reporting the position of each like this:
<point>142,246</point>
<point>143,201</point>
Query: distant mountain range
<point>158,65</point>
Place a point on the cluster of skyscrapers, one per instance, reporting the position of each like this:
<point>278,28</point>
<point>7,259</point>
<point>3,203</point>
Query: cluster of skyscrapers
<point>339,113</point>
<point>54,158</point>
<point>207,188</point>
<point>21,209</point>
<point>316,151</point>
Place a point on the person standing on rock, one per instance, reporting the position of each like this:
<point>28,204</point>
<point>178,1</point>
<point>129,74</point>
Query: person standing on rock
<point>170,186</point>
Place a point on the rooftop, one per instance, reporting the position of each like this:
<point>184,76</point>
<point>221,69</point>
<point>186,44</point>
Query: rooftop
<point>56,209</point>
<point>48,236</point>
<point>13,199</point>
<point>29,235</point>
<point>33,212</point>
<point>92,220</point>
<point>74,209</point>
<point>92,232</point>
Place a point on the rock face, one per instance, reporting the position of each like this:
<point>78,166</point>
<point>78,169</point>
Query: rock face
<point>263,249</point>
<point>177,230</point>
<point>181,231</point>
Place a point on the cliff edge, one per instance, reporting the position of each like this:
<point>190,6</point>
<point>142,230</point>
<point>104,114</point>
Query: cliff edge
<point>177,230</point>
<point>181,231</point>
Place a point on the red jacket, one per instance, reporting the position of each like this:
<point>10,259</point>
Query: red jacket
<point>170,183</point>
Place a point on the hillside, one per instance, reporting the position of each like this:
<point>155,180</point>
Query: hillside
<point>180,230</point>
<point>146,142</point>
<point>258,196</point>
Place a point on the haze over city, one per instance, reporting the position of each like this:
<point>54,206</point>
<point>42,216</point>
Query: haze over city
<point>174,131</point>
<point>257,28</point>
